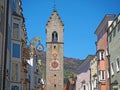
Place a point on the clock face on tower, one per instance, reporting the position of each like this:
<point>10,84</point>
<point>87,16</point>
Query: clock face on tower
<point>54,65</point>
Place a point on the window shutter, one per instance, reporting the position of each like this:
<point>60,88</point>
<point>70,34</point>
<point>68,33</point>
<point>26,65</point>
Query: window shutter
<point>107,53</point>
<point>112,71</point>
<point>118,64</point>
<point>104,74</point>
<point>100,56</point>
<point>107,73</point>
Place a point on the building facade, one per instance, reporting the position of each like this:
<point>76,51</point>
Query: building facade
<point>54,52</point>
<point>3,5</point>
<point>102,45</point>
<point>12,22</point>
<point>83,77</point>
<point>94,74</point>
<point>16,20</point>
<point>114,52</point>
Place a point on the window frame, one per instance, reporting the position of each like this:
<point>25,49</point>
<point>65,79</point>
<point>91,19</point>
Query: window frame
<point>15,58</point>
<point>102,75</point>
<point>15,31</point>
<point>17,20</point>
<point>17,74</point>
<point>100,55</point>
<point>13,49</point>
<point>18,80</point>
<point>54,36</point>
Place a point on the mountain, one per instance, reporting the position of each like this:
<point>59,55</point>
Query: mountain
<point>70,64</point>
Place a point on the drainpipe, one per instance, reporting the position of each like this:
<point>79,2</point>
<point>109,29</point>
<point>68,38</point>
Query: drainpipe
<point>6,39</point>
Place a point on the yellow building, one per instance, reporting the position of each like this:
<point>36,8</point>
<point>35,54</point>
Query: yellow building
<point>93,72</point>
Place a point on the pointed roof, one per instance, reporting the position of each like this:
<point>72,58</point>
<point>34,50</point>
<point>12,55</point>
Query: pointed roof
<point>55,13</point>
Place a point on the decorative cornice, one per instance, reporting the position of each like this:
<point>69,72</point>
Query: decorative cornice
<point>54,42</point>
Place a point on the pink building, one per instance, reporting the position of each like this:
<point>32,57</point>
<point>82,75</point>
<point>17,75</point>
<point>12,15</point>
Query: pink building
<point>83,77</point>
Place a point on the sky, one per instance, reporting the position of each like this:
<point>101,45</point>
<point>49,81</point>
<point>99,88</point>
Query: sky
<point>80,17</point>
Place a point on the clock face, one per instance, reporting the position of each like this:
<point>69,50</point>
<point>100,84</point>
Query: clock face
<point>54,65</point>
<point>40,47</point>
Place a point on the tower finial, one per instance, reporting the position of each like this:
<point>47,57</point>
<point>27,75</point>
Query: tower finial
<point>54,6</point>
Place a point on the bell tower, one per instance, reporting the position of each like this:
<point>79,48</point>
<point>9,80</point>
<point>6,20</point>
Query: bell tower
<point>54,52</point>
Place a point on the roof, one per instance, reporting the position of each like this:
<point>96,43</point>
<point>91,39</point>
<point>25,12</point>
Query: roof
<point>85,63</point>
<point>53,14</point>
<point>106,18</point>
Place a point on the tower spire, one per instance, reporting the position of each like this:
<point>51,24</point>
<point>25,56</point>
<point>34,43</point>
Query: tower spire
<point>54,6</point>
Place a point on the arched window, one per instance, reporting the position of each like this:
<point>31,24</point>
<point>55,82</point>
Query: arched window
<point>54,36</point>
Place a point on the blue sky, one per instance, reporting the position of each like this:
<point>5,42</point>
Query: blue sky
<point>80,18</point>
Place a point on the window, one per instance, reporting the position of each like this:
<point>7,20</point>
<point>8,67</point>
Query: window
<point>16,50</point>
<point>54,36</point>
<point>14,87</point>
<point>100,55</point>
<point>114,33</point>
<point>112,69</point>
<point>54,85</point>
<point>14,71</point>
<point>101,75</point>
<point>110,38</point>
<point>54,47</point>
<point>95,83</point>
<point>15,31</point>
<point>118,64</point>
<point>84,87</point>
